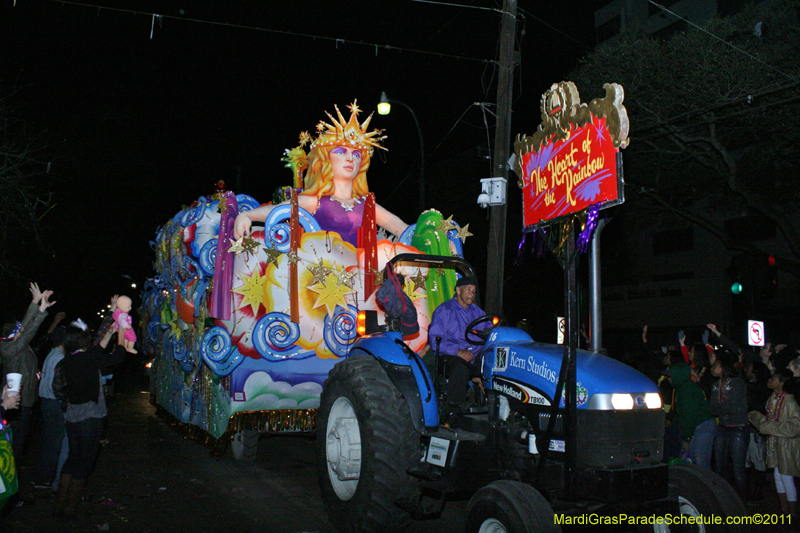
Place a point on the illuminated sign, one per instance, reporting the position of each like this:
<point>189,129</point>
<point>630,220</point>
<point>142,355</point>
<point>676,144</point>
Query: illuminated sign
<point>572,161</point>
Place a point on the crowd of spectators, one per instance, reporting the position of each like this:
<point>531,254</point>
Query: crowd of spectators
<point>62,375</point>
<point>730,410</point>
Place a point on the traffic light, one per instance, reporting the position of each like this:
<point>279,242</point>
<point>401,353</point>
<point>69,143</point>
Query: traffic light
<point>739,273</point>
<point>765,277</point>
<point>754,275</point>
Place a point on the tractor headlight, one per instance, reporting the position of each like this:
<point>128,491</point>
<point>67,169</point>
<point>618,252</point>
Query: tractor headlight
<point>652,400</point>
<point>622,402</point>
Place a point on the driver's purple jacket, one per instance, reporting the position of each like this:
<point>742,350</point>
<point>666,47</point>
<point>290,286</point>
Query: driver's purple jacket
<point>449,322</point>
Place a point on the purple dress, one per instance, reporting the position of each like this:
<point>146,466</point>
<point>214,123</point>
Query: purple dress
<point>332,216</point>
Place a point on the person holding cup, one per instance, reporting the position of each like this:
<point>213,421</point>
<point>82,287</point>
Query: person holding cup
<point>17,357</point>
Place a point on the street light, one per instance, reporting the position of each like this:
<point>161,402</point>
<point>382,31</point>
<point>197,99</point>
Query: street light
<point>384,107</point>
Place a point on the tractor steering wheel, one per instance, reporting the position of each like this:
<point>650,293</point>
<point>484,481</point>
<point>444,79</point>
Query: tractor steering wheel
<point>482,334</point>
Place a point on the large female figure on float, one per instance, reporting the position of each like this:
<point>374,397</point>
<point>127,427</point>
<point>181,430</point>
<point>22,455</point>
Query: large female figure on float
<point>336,181</point>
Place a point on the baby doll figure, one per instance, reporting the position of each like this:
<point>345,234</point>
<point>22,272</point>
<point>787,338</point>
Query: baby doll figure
<point>123,321</point>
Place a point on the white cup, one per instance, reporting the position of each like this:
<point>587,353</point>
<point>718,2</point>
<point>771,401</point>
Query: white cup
<point>13,381</point>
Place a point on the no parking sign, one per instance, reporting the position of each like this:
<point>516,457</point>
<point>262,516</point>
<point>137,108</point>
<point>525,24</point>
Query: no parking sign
<point>755,333</point>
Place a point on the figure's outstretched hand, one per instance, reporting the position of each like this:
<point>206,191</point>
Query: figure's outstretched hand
<point>241,226</point>
<point>61,315</point>
<point>114,301</point>
<point>36,293</point>
<point>713,329</point>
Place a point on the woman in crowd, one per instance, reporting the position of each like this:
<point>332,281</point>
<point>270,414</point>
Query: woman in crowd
<point>756,375</point>
<point>77,382</point>
<point>728,401</point>
<point>781,424</point>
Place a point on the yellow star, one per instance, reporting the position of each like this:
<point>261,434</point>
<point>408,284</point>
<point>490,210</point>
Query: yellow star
<point>272,255</point>
<point>331,294</point>
<point>319,271</point>
<point>419,280</point>
<point>304,138</point>
<point>446,224</point>
<point>321,126</point>
<point>354,109</point>
<point>252,290</point>
<point>463,233</point>
<point>344,277</point>
<point>411,290</point>
<point>292,258</point>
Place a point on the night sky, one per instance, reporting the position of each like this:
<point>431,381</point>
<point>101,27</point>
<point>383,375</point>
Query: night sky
<point>138,126</point>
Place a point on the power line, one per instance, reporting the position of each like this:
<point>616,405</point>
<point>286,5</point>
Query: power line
<point>337,40</point>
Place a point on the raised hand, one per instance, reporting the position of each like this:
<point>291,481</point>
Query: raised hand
<point>45,303</point>
<point>37,294</point>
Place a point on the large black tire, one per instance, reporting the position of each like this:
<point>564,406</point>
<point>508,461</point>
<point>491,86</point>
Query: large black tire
<point>510,507</point>
<point>244,445</point>
<point>365,443</point>
<point>702,492</point>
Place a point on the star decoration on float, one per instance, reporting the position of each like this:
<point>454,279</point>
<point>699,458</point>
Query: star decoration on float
<point>344,277</point>
<point>463,233</point>
<point>446,224</point>
<point>419,280</point>
<point>410,288</point>
<point>305,138</point>
<point>378,276</point>
<point>272,255</point>
<point>354,109</point>
<point>245,244</point>
<point>319,271</point>
<point>251,290</point>
<point>331,294</point>
<point>292,258</point>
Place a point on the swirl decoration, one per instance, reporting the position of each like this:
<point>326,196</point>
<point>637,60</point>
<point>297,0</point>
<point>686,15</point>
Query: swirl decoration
<point>178,347</point>
<point>7,467</point>
<point>407,235</point>
<point>153,331</point>
<point>191,267</point>
<point>208,256</point>
<point>340,330</point>
<point>458,245</point>
<point>246,203</point>
<point>192,215</point>
<point>276,226</point>
<point>218,352</point>
<point>274,336</point>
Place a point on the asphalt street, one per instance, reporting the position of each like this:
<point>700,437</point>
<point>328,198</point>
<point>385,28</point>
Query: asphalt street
<point>149,479</point>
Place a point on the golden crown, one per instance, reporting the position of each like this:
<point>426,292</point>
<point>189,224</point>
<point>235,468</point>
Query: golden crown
<point>349,133</point>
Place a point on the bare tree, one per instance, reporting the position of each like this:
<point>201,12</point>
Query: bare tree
<point>713,113</point>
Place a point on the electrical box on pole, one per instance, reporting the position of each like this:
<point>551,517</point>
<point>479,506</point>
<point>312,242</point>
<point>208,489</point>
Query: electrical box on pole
<point>502,146</point>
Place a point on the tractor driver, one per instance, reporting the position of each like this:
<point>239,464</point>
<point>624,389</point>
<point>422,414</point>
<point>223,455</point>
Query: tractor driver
<point>449,322</point>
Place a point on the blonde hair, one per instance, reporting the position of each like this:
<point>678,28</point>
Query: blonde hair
<point>319,176</point>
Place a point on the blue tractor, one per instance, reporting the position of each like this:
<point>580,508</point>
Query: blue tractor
<point>535,455</point>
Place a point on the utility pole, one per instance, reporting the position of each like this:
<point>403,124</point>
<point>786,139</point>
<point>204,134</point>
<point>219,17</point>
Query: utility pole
<point>502,142</point>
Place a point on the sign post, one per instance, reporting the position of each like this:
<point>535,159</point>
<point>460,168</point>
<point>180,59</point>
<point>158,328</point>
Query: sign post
<point>568,170</point>
<point>755,333</point>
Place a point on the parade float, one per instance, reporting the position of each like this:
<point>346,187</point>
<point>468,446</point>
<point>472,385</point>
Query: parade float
<point>243,329</point>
